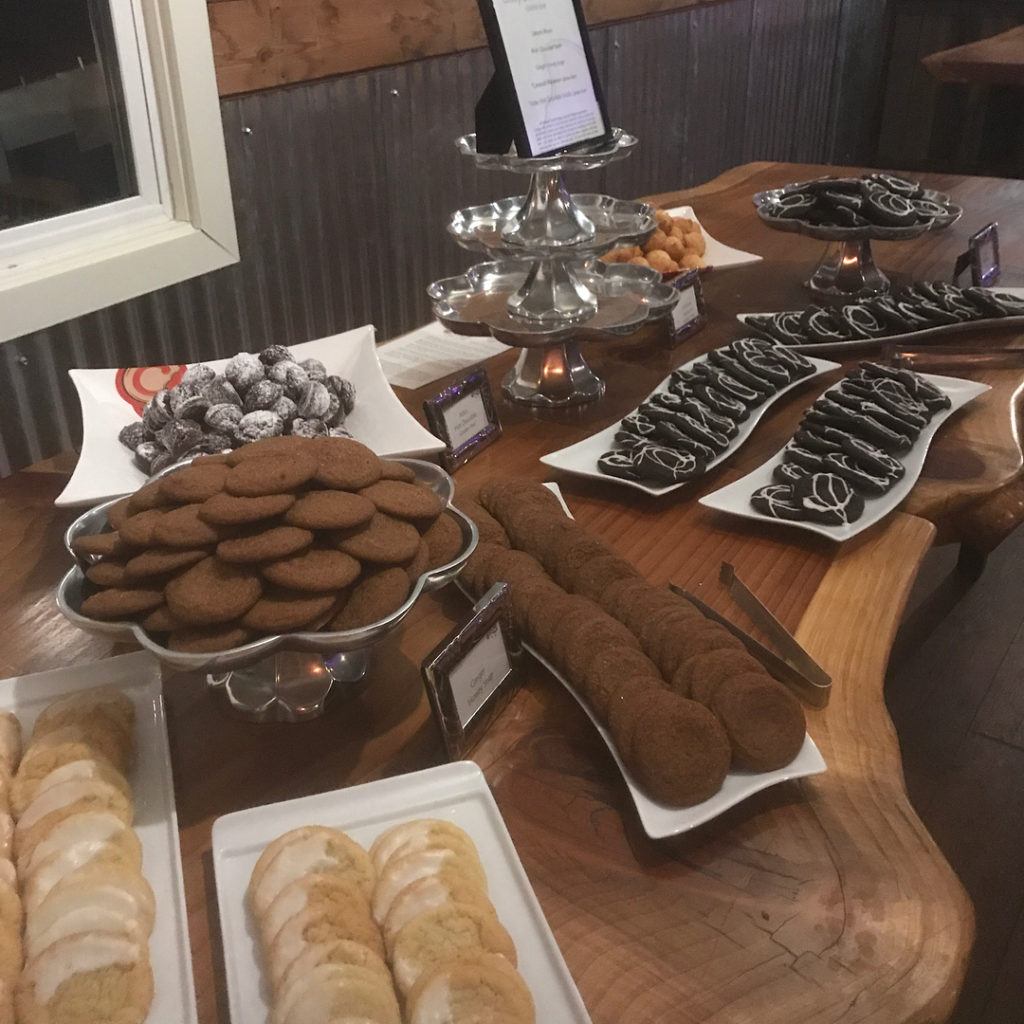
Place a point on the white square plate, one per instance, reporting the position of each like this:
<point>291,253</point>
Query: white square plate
<point>734,498</point>
<point>138,676</point>
<point>717,256</point>
<point>455,792</point>
<point>105,468</point>
<point>580,459</point>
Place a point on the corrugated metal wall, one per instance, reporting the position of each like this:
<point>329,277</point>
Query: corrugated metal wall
<point>342,187</point>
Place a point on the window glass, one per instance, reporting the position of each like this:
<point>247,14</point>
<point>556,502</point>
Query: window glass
<point>64,141</point>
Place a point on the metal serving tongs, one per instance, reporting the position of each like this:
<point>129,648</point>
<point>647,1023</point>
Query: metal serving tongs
<point>795,667</point>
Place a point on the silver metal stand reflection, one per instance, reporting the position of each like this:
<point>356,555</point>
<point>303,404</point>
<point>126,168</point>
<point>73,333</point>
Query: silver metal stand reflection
<point>848,269</point>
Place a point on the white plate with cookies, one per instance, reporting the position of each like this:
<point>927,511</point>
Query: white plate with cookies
<point>155,824</point>
<point>455,794</point>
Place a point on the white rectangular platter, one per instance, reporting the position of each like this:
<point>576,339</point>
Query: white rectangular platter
<point>138,676</point>
<point>455,792</point>
<point>580,459</point>
<point>734,498</point>
<point>105,467</point>
<point>717,255</point>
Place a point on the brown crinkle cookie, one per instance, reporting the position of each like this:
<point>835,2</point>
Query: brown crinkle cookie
<point>194,483</point>
<point>510,566</point>
<point>644,605</point>
<point>444,540</point>
<point>525,592</point>
<point>209,639</point>
<point>384,540</point>
<point>700,675</point>
<point>576,613</point>
<point>685,644</point>
<point>121,603</point>
<point>160,561</point>
<point>605,672</point>
<point>269,446</point>
<point>762,719</point>
<point>212,592</point>
<point>390,470</point>
<point>272,474</point>
<point>576,554</point>
<point>419,563</point>
<point>329,510</point>
<point>229,510</point>
<point>487,526</point>
<point>663,625</point>
<point>500,496</point>
<point>98,545</point>
<point>280,610</point>
<point>137,531</point>
<point>406,501</point>
<point>108,573</point>
<point>316,570</point>
<point>599,632</point>
<point>546,616</point>
<point>185,527</point>
<point>624,707</point>
<point>373,598</point>
<point>596,576</point>
<point>345,464</point>
<point>264,545</point>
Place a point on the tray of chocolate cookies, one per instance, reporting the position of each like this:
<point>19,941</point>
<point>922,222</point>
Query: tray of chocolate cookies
<point>858,453</point>
<point>695,723</point>
<point>292,543</point>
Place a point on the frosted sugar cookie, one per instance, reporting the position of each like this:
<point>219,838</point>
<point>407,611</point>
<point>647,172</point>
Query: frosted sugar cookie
<point>332,990</point>
<point>84,826</point>
<point>10,742</point>
<point>114,884</point>
<point>474,989</point>
<point>413,836</point>
<point>25,789</point>
<point>123,849</point>
<point>104,700</point>
<point>314,889</point>
<point>402,871</point>
<point>341,951</point>
<point>428,894</point>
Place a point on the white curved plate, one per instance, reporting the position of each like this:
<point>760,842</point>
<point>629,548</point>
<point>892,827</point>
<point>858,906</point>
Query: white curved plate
<point>735,497</point>
<point>717,255</point>
<point>105,468</point>
<point>580,458</point>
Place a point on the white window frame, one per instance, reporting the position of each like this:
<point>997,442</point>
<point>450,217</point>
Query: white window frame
<point>181,223</point>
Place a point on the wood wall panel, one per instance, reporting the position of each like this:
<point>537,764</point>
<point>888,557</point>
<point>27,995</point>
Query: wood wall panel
<point>259,44</point>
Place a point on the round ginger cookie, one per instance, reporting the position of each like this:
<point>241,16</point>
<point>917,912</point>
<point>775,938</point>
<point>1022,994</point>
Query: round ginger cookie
<point>596,576</point>
<point>192,484</point>
<point>587,639</point>
<point>316,571</point>
<point>281,611</point>
<point>212,592</point>
<point>474,987</point>
<point>418,564</point>
<point>604,673</point>
<point>487,526</point>
<point>137,531</point>
<point>384,540</point>
<point>117,514</point>
<point>545,615</point>
<point>120,603</point>
<point>685,644</point>
<point>274,474</point>
<point>264,544</point>
<point>524,593</point>
<point>99,545</point>
<point>107,573</point>
<point>267,447</point>
<point>147,497</point>
<point>230,510</point>
<point>185,528</point>
<point>160,561</point>
<point>510,566</point>
<point>643,605</point>
<point>160,620</point>
<point>345,464</point>
<point>406,501</point>
<point>574,556</point>
<point>662,626</point>
<point>208,639</point>
<point>762,719</point>
<point>444,540</point>
<point>329,510</point>
<point>701,674</point>
<point>391,470</point>
<point>472,575</point>
<point>373,598</point>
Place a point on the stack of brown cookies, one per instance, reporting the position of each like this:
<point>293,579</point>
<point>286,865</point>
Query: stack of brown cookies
<point>281,535</point>
<point>680,694</point>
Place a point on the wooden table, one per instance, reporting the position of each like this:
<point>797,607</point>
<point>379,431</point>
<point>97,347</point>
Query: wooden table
<point>823,900</point>
<point>998,60</point>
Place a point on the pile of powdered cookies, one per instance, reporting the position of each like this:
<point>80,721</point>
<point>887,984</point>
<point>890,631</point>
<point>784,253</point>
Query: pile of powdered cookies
<point>279,536</point>
<point>350,935</point>
<point>681,696</point>
<point>75,910</point>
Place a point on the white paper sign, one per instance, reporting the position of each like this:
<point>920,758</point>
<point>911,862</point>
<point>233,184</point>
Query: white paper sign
<point>686,310</point>
<point>479,674</point>
<point>465,419</point>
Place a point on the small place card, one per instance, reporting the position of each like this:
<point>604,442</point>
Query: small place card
<point>464,416</point>
<point>473,673</point>
<point>982,257</point>
<point>689,314</point>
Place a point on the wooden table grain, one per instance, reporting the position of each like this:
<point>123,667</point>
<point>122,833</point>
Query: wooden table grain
<point>816,901</point>
<point>997,60</point>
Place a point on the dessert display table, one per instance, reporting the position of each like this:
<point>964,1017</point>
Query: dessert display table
<point>822,900</point>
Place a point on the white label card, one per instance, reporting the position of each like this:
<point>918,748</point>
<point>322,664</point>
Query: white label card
<point>550,72</point>
<point>479,674</point>
<point>686,310</point>
<point>465,419</point>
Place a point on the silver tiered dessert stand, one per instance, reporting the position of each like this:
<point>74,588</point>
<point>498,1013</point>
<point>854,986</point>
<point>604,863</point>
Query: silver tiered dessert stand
<point>544,290</point>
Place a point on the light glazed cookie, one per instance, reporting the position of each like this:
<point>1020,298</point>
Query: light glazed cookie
<point>312,889</point>
<point>479,987</point>
<point>111,702</point>
<point>111,741</point>
<point>429,894</point>
<point>95,916</point>
<point>10,742</point>
<point>99,826</point>
<point>84,979</point>
<point>99,738</point>
<point>301,851</point>
<point>11,912</point>
<point>10,952</point>
<point>444,934</point>
<point>6,836</point>
<point>123,851</point>
<point>411,836</point>
<point>333,991</point>
<point>6,787</point>
<point>403,871</point>
<point>25,789</point>
<point>341,951</point>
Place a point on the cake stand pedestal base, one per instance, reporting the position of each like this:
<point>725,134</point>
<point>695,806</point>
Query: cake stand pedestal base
<point>552,377</point>
<point>847,270</point>
<point>292,686</point>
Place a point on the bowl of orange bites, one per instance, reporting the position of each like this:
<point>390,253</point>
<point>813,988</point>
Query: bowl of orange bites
<point>676,246</point>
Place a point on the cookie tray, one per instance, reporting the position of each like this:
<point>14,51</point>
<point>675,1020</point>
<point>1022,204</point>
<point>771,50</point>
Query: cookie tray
<point>454,792</point>
<point>580,459</point>
<point>156,822</point>
<point>734,498</point>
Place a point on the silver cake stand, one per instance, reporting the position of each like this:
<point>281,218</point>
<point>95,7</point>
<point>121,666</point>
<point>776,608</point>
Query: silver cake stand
<point>542,290</point>
<point>286,678</point>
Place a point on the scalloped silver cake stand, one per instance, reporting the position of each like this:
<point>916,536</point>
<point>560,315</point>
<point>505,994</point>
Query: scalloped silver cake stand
<point>286,678</point>
<point>847,269</point>
<point>541,291</point>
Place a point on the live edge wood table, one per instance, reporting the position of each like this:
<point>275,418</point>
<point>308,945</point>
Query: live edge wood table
<point>823,900</point>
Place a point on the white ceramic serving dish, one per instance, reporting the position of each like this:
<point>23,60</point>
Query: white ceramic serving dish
<point>455,792</point>
<point>717,255</point>
<point>580,459</point>
<point>106,469</point>
<point>844,349</point>
<point>734,498</point>
<point>156,822</point>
